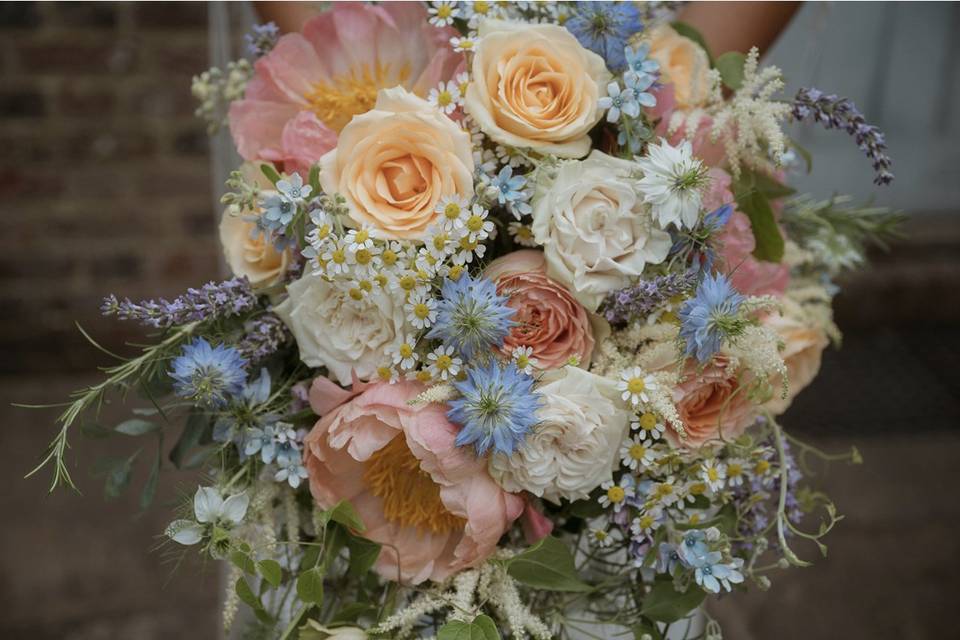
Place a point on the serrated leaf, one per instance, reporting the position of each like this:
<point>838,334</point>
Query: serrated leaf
<point>666,604</point>
<point>363,553</point>
<point>547,565</point>
<point>243,562</point>
<point>691,33</point>
<point>270,173</point>
<point>136,427</point>
<point>310,586</point>
<point>271,572</point>
<point>481,628</point>
<point>730,66</point>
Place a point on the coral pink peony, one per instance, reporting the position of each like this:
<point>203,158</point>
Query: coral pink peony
<point>312,83</point>
<point>430,503</point>
<point>548,318</point>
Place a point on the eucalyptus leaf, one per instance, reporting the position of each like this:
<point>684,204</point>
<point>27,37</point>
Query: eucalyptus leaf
<point>730,66</point>
<point>136,427</point>
<point>666,604</point>
<point>546,565</point>
<point>310,586</point>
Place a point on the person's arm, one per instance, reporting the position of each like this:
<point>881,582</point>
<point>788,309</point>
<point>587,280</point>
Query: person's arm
<point>289,16</point>
<point>737,26</point>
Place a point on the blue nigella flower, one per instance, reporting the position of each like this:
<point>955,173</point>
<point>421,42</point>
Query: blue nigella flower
<point>497,408</point>
<point>208,375</point>
<point>604,27</point>
<point>472,317</point>
<point>710,316</point>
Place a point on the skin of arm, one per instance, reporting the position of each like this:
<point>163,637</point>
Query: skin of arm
<point>288,16</point>
<point>737,26</point>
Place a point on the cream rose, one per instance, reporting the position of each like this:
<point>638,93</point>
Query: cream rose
<point>683,63</point>
<point>574,448</point>
<point>804,343</point>
<point>535,86</point>
<point>395,162</point>
<point>337,332</point>
<point>596,231</point>
<point>244,250</point>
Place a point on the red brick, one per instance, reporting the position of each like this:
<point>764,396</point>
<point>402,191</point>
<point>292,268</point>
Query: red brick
<point>80,99</point>
<point>59,57</point>
<point>171,15</point>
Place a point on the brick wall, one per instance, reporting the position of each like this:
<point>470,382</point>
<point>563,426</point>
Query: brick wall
<point>104,171</point>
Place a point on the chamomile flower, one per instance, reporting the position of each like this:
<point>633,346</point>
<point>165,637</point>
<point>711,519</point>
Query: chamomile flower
<point>442,14</point>
<point>465,43</point>
<point>405,354</point>
<point>335,258</point>
<point>714,474</point>
<point>672,183</point>
<point>444,363</point>
<point>478,228</point>
<point>522,234</point>
<point>649,425</point>
<point>736,471</point>
<point>479,10</point>
<point>405,282</point>
<point>635,385</point>
<point>616,494</point>
<point>521,355</point>
<point>463,81</point>
<point>453,212</point>
<point>421,310</point>
<point>665,492</point>
<point>637,454</point>
<point>466,249</point>
<point>439,242</point>
<point>357,239</point>
<point>646,523</point>
<point>387,373</point>
<point>601,537</point>
<point>445,97</point>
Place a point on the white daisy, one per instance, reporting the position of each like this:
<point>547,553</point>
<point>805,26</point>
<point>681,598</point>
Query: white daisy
<point>736,472</point>
<point>647,523</point>
<point>453,212</point>
<point>477,226</point>
<point>463,81</point>
<point>665,493</point>
<point>442,14</point>
<point>601,537</point>
<point>636,453</point>
<point>521,234</point>
<point>463,44</point>
<point>672,182</point>
<point>636,384</point>
<point>521,355</point>
<point>714,473</point>
<point>444,365</point>
<point>405,353</point>
<point>649,424</point>
<point>616,494</point>
<point>387,373</point>
<point>445,97</point>
<point>421,310</point>
<point>335,259</point>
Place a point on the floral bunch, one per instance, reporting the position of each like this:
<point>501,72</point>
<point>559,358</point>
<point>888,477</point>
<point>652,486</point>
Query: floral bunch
<point>519,293</point>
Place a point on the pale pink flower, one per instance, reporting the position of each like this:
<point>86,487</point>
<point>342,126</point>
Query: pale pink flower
<point>432,505</point>
<point>312,83</point>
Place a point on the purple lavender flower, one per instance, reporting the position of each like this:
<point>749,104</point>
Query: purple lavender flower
<point>210,302</point>
<point>840,113</point>
<point>640,300</point>
<point>262,338</point>
<point>262,38</point>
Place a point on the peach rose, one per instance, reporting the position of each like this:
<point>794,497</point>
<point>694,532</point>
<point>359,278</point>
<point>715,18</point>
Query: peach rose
<point>395,162</point>
<point>432,505</point>
<point>535,86</point>
<point>549,320</point>
<point>683,63</point>
<point>245,251</point>
<point>803,348</point>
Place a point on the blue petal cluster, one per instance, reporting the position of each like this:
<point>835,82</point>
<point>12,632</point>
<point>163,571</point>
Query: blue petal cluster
<point>208,375</point>
<point>472,317</point>
<point>497,408</point>
<point>709,316</point>
<point>604,27</point>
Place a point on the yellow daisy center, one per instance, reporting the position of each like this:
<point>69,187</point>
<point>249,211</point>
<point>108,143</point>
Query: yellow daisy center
<point>421,310</point>
<point>648,421</point>
<point>406,350</point>
<point>475,223</point>
<point>423,376</point>
<point>734,470</point>
<point>616,494</point>
<point>762,467</point>
<point>363,257</point>
<point>389,257</point>
<point>636,385</point>
<point>338,256</point>
<point>407,282</point>
<point>638,451</point>
<point>451,211</point>
<point>444,98</point>
<point>385,373</point>
<point>444,362</point>
<point>455,272</point>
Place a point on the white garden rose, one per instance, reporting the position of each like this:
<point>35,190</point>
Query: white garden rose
<point>340,333</point>
<point>574,448</point>
<point>596,231</point>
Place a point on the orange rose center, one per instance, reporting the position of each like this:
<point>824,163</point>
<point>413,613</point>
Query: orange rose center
<point>410,496</point>
<point>353,93</point>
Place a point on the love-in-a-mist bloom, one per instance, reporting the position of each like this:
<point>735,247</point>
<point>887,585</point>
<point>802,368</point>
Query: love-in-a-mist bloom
<point>672,182</point>
<point>472,316</point>
<point>710,316</point>
<point>208,375</point>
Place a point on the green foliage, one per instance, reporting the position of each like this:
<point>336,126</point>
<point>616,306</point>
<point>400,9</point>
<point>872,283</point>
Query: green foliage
<point>271,572</point>
<point>136,427</point>
<point>363,553</point>
<point>270,173</point>
<point>249,598</point>
<point>730,66</point>
<point>665,604</point>
<point>243,562</point>
<point>344,513</point>
<point>194,430</point>
<point>752,199</point>
<point>481,628</point>
<point>546,565</point>
<point>310,586</point>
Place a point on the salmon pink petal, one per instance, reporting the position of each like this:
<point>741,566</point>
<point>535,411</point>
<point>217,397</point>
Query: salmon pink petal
<point>293,68</point>
<point>257,126</point>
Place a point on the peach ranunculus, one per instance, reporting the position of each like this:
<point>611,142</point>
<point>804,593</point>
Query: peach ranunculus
<point>432,505</point>
<point>803,342</point>
<point>394,163</point>
<point>310,85</point>
<point>535,86</point>
<point>548,319</point>
<point>246,252</point>
<point>683,63</point>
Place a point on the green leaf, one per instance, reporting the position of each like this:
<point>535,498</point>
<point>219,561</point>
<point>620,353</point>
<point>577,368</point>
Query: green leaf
<point>334,540</point>
<point>344,513</point>
<point>136,427</point>
<point>730,66</point>
<point>310,586</point>
<point>271,572</point>
<point>482,628</point>
<point>771,187</point>
<point>665,604</point>
<point>150,486</point>
<point>586,509</point>
<point>246,594</point>
<point>94,430</point>
<point>363,553</point>
<point>688,31</point>
<point>547,565</point>
<point>193,431</point>
<point>769,242</point>
<point>352,611</point>
<point>244,562</point>
<point>200,456</point>
<point>118,475</point>
<point>270,172</point>
<point>314,180</point>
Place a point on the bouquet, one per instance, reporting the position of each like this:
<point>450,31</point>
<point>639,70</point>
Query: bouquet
<point>519,292</point>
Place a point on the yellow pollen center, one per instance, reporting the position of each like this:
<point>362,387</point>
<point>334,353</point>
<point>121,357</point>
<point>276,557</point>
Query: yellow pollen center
<point>353,93</point>
<point>406,350</point>
<point>385,373</point>
<point>646,521</point>
<point>712,474</point>
<point>522,361</point>
<point>356,294</point>
<point>338,256</point>
<point>410,496</point>
<point>365,285</point>
<point>697,488</point>
<point>616,494</point>
<point>408,282</point>
<point>455,272</point>
<point>381,279</point>
<point>363,257</point>
<point>466,244</point>
<point>475,223</point>
<point>734,470</point>
<point>444,11</point>
<point>439,241</point>
<point>762,467</point>
<point>389,257</point>
<point>423,375</point>
<point>323,231</point>
<point>648,421</point>
<point>637,451</point>
<point>664,489</point>
<point>444,98</point>
<point>421,310</point>
<point>444,362</point>
<point>451,211</point>
<point>362,236</point>
<point>636,385</point>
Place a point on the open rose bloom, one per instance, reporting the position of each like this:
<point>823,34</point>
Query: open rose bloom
<point>519,294</point>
